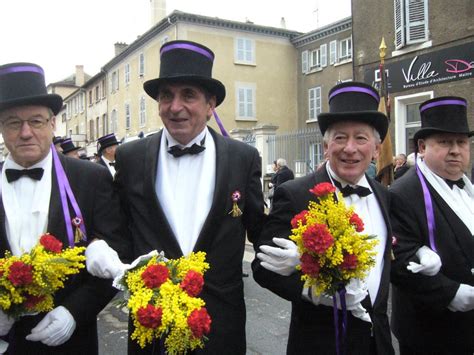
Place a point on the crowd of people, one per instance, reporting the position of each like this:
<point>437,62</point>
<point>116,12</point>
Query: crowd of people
<point>176,191</point>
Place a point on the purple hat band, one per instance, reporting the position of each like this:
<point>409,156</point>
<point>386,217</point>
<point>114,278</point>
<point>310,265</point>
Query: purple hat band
<point>354,89</point>
<point>20,69</point>
<point>107,137</point>
<point>443,103</point>
<point>188,47</point>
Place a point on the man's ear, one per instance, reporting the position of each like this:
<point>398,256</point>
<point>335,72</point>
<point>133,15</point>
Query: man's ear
<point>212,106</point>
<point>421,146</point>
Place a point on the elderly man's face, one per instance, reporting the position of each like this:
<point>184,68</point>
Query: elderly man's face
<point>28,132</point>
<point>184,110</point>
<point>350,149</point>
<point>446,154</point>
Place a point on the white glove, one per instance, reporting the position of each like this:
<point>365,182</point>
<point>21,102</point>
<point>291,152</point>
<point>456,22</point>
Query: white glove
<point>119,276</point>
<point>282,261</point>
<point>356,291</point>
<point>6,323</point>
<point>55,328</point>
<point>430,262</point>
<point>103,261</point>
<point>463,301</point>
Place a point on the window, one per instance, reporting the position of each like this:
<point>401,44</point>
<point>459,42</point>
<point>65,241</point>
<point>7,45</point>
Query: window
<point>142,111</point>
<point>324,54</point>
<point>411,22</point>
<point>104,88</point>
<point>90,98</point>
<point>345,49</point>
<point>127,116</point>
<point>97,96</point>
<point>91,131</point>
<point>81,102</point>
<point>104,124</point>
<point>127,74</point>
<point>332,52</point>
<point>408,120</point>
<point>245,51</point>
<point>114,81</point>
<point>141,66</point>
<point>314,59</point>
<point>97,126</point>
<point>314,101</point>
<point>63,117</point>
<point>113,121</point>
<point>246,102</point>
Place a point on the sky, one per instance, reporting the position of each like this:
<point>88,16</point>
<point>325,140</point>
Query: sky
<point>60,34</point>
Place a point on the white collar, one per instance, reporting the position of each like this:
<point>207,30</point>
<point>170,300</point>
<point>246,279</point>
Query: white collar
<point>332,175</point>
<point>196,140</point>
<point>11,164</point>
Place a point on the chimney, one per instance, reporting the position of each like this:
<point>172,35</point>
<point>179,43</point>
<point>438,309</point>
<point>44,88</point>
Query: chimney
<point>79,75</point>
<point>120,47</point>
<point>157,11</point>
<point>283,23</point>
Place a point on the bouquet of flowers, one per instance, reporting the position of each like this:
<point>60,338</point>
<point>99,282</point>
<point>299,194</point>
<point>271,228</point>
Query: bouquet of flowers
<point>163,301</point>
<point>28,282</point>
<point>330,244</point>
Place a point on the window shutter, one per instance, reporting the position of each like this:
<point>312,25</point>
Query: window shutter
<point>417,21</point>
<point>304,62</point>
<point>332,52</point>
<point>399,24</point>
<point>324,55</point>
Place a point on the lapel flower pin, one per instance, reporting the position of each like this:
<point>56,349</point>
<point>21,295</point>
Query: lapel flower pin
<point>236,196</point>
<point>78,235</point>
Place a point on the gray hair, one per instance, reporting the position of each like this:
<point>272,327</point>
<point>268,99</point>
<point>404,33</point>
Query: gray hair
<point>330,130</point>
<point>281,162</point>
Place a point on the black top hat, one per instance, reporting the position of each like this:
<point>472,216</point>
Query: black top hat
<point>186,61</point>
<point>23,84</point>
<point>106,141</point>
<point>446,114</point>
<point>353,101</point>
<point>57,140</point>
<point>68,146</point>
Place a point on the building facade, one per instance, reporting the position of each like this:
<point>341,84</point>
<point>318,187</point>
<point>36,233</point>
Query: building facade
<point>430,53</point>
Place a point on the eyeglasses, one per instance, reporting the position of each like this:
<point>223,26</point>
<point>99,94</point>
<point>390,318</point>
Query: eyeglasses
<point>15,124</point>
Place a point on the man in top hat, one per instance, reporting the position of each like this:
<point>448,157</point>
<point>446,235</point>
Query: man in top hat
<point>352,133</point>
<point>188,189</point>
<point>31,204</point>
<point>69,149</point>
<point>106,147</point>
<point>57,140</point>
<point>433,223</point>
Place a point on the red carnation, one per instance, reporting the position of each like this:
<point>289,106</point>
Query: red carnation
<point>20,274</point>
<point>322,189</point>
<point>155,275</point>
<point>299,217</point>
<point>200,322</point>
<point>309,265</point>
<point>349,262</point>
<point>356,222</point>
<point>150,316</point>
<point>192,283</point>
<point>32,301</point>
<point>317,238</point>
<point>51,244</point>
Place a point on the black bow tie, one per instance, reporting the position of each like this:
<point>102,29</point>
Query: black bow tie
<point>15,174</point>
<point>112,163</point>
<point>348,190</point>
<point>459,182</point>
<point>178,152</point>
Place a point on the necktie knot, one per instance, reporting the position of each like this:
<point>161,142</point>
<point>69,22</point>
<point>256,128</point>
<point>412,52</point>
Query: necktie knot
<point>112,163</point>
<point>348,190</point>
<point>177,152</point>
<point>460,183</point>
<point>15,174</point>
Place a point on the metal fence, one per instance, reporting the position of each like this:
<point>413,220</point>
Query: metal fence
<point>302,149</point>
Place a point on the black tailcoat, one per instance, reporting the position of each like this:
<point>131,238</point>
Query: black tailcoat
<point>312,327</point>
<point>421,318</point>
<point>84,296</point>
<point>238,167</point>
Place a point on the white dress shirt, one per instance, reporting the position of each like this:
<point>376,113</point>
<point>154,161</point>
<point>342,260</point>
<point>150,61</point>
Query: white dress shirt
<point>110,167</point>
<point>26,204</point>
<point>370,212</point>
<point>185,187</point>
